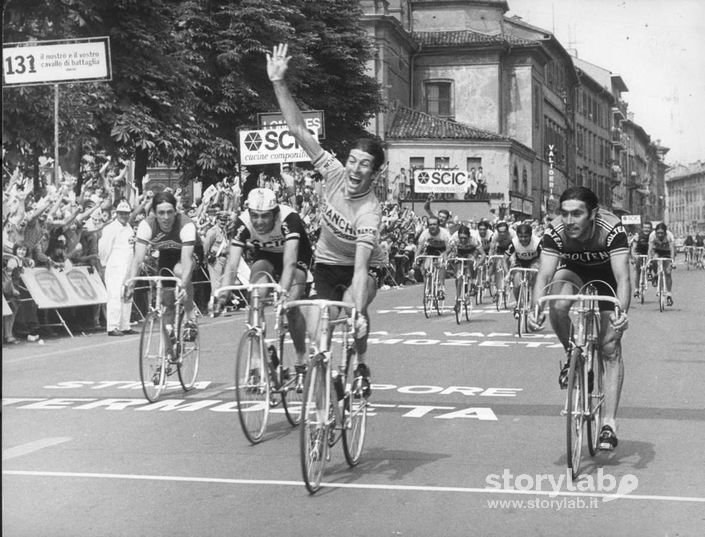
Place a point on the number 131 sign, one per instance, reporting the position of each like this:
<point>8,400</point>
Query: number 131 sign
<point>52,62</point>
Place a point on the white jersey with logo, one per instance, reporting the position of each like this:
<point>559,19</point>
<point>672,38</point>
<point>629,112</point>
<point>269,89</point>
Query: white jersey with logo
<point>288,225</point>
<point>346,221</point>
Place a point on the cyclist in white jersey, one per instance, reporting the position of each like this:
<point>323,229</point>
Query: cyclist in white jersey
<point>435,240</point>
<point>351,216</point>
<point>662,243</point>
<point>282,254</point>
<point>524,252</point>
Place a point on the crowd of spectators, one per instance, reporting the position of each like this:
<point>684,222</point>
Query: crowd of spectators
<point>60,226</point>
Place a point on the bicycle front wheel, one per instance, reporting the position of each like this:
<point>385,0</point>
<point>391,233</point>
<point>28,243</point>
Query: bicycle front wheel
<point>252,390</point>
<point>574,413</point>
<point>313,439</point>
<point>189,355</point>
<point>154,364</point>
<point>596,398</point>
<point>427,296</point>
<point>354,418</point>
<point>661,292</point>
<point>291,398</point>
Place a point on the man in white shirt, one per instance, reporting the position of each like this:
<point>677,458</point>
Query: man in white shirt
<point>115,249</point>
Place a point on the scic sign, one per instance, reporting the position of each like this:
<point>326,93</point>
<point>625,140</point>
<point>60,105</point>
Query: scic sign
<point>440,180</point>
<point>270,146</point>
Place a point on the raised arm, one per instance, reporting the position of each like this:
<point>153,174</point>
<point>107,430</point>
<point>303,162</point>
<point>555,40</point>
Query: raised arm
<point>277,65</point>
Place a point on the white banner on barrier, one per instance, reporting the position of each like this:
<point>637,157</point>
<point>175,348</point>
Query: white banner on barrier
<point>64,289</point>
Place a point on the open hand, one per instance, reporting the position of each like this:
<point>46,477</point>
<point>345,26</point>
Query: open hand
<point>277,62</point>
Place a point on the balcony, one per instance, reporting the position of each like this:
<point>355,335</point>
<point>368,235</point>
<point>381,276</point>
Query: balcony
<point>619,111</point>
<point>618,138</point>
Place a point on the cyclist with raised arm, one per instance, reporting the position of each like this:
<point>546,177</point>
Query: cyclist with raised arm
<point>580,245</point>
<point>348,256</point>
<point>282,254</point>
<point>523,252</point>
<point>174,236</point>
<point>464,245</point>
<point>640,246</point>
<point>662,243</point>
<point>435,240</point>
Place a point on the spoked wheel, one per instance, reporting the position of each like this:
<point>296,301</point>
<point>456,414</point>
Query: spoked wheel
<point>427,296</point>
<point>467,305</point>
<point>574,414</point>
<point>642,293</point>
<point>154,364</point>
<point>661,293</point>
<point>252,390</point>
<point>523,313</point>
<point>313,439</point>
<point>480,291</point>
<point>291,398</point>
<point>596,398</point>
<point>440,299</point>
<point>354,418</point>
<point>189,356</point>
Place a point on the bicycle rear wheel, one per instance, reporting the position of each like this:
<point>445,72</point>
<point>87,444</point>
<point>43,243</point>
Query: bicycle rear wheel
<point>252,390</point>
<point>189,356</point>
<point>596,398</point>
<point>154,364</point>
<point>661,292</point>
<point>291,399</point>
<point>521,306</point>
<point>574,413</point>
<point>313,438</point>
<point>354,416</point>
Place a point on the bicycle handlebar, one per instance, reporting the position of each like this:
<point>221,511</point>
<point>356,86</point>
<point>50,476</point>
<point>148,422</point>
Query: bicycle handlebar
<point>248,287</point>
<point>428,256</point>
<point>574,298</point>
<point>522,269</point>
<point>460,259</point>
<point>320,303</point>
<point>157,279</point>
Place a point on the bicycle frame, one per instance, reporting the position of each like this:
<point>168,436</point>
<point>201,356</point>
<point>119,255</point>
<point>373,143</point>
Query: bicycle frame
<point>431,284</point>
<point>587,406</point>
<point>661,281</point>
<point>524,298</point>
<point>643,263</point>
<point>464,298</point>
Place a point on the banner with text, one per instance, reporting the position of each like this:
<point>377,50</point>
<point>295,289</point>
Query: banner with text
<point>51,62</point>
<point>631,219</point>
<point>273,145</point>
<point>64,289</point>
<point>440,180</point>
<point>315,119</point>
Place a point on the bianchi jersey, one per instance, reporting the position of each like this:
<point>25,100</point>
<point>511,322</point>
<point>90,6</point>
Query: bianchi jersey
<point>525,254</point>
<point>287,226</point>
<point>608,238</point>
<point>661,248</point>
<point>346,222</point>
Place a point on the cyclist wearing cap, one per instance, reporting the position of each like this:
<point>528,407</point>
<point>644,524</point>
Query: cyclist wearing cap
<point>174,236</point>
<point>282,253</point>
<point>523,252</point>
<point>581,245</point>
<point>351,216</point>
<point>115,248</point>
<point>640,246</point>
<point>662,243</point>
<point>464,245</point>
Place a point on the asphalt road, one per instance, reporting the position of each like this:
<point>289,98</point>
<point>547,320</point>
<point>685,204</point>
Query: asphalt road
<point>466,437</point>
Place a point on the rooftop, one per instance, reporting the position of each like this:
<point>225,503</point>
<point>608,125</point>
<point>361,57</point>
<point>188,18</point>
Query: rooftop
<point>408,123</point>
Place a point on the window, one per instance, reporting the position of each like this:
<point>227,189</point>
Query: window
<point>515,180</point>
<point>442,162</point>
<point>525,182</point>
<point>439,98</point>
<point>416,162</point>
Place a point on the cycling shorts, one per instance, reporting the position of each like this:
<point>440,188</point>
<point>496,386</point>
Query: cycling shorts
<point>277,261</point>
<point>603,280</point>
<point>331,281</point>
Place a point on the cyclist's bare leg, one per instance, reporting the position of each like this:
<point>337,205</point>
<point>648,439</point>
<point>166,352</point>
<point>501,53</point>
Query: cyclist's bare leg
<point>262,271</point>
<point>667,266</point>
<point>565,282</point>
<point>189,305</point>
<point>611,355</point>
<point>516,277</point>
<point>297,323</point>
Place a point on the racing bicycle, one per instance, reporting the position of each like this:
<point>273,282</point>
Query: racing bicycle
<point>433,295</point>
<point>585,396</point>
<point>334,403</point>
<point>642,262</point>
<point>463,300</point>
<point>661,281</point>
<point>260,375</point>
<point>166,349</point>
<point>523,304</point>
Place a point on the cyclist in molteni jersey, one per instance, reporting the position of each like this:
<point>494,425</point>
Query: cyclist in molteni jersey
<point>583,244</point>
<point>348,256</point>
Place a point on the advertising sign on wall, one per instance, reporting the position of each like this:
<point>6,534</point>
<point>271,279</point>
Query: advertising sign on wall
<point>64,289</point>
<point>440,180</point>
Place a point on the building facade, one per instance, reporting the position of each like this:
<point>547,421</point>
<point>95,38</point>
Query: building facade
<point>685,195</point>
<point>467,87</point>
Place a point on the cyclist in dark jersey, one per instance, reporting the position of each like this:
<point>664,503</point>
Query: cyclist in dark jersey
<point>580,245</point>
<point>640,246</point>
<point>174,236</point>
